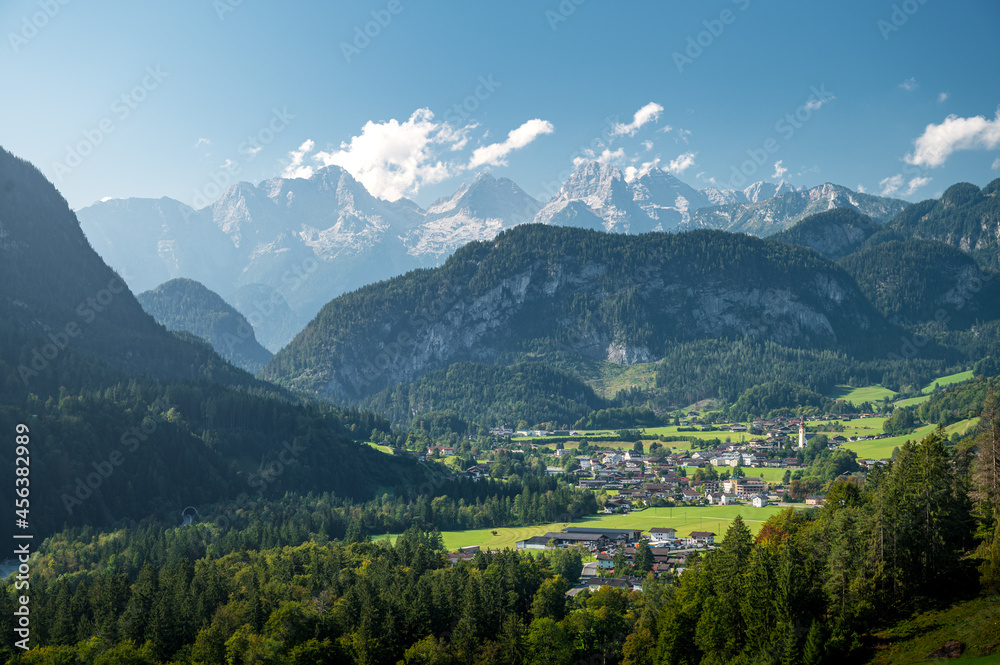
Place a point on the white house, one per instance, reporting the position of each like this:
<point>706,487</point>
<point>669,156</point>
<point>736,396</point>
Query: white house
<point>758,501</point>
<point>662,535</point>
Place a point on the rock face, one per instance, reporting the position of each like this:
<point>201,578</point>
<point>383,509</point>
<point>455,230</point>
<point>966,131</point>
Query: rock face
<point>614,297</point>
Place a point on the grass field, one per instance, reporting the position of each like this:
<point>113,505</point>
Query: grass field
<point>721,434</point>
<point>384,449</point>
<point>882,448</point>
<point>770,475</point>
<point>943,381</point>
<point>683,518</point>
<point>913,401</point>
<point>858,395</point>
<point>975,623</point>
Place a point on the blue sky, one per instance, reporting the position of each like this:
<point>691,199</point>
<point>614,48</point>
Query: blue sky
<point>114,98</point>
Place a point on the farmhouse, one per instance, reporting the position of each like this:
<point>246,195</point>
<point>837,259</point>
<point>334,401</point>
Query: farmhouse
<point>701,538</point>
<point>659,535</point>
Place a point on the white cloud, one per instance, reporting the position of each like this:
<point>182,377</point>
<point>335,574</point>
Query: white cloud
<point>891,184</point>
<point>228,164</point>
<point>938,141</point>
<point>393,159</point>
<point>779,170</point>
<point>606,157</point>
<point>915,184</point>
<point>894,184</point>
<point>495,154</point>
<point>647,145</point>
<point>201,142</point>
<point>297,168</point>
<point>909,84</point>
<point>816,103</point>
<point>710,180</point>
<point>648,113</point>
<point>682,135</point>
<point>635,172</point>
<point>681,164</point>
<point>861,189</point>
<point>943,97</point>
<point>996,164</point>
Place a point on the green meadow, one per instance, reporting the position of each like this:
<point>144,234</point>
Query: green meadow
<point>683,518</point>
<point>856,396</point>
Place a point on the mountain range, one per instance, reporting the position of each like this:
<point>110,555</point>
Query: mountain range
<point>288,246</point>
<point>612,297</point>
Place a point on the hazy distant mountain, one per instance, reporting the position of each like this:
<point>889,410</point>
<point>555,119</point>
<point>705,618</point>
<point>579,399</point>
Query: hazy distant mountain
<point>299,242</point>
<point>184,304</point>
<point>150,241</point>
<point>478,211</point>
<point>599,196</point>
<point>834,233</point>
<point>765,216</point>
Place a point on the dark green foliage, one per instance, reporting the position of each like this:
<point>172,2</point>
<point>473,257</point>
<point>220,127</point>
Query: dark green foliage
<point>619,418</point>
<point>723,369</point>
<point>916,281</point>
<point>988,367</point>
<point>184,304</point>
<point>957,402</point>
<point>106,446</point>
<point>776,396</point>
<point>901,422</point>
<point>529,392</point>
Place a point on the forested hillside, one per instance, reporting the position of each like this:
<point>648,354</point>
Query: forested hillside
<point>622,298</point>
<point>183,304</point>
<point>916,281</point>
<point>834,233</point>
<point>53,286</point>
<point>528,393</point>
<point>127,420</point>
<point>965,216</point>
